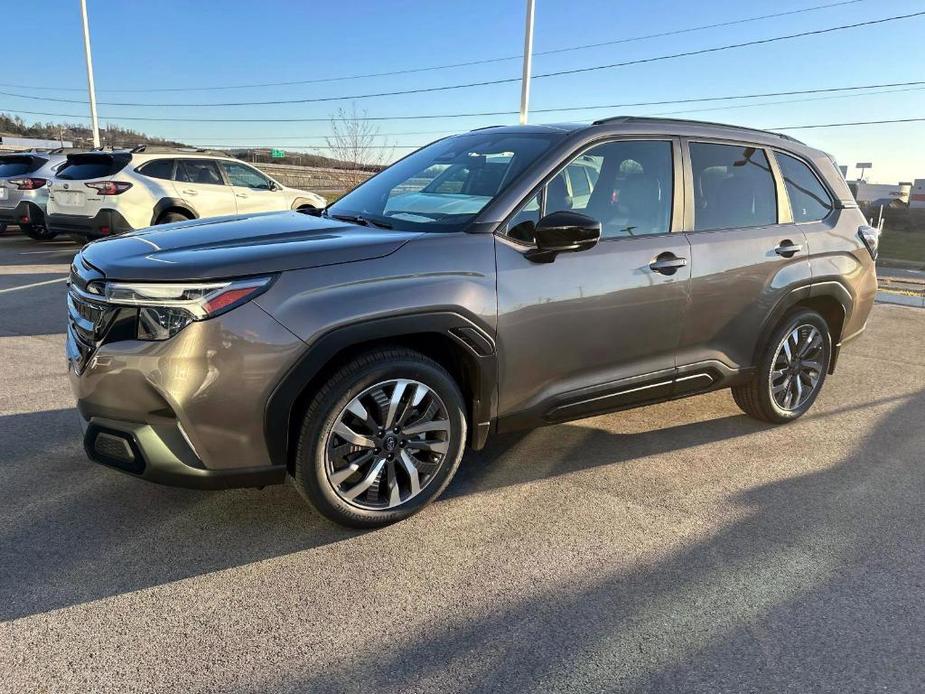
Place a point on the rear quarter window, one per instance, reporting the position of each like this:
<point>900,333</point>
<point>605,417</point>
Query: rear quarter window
<point>809,200</point>
<point>159,168</point>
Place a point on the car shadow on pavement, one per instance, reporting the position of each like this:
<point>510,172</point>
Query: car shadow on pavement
<point>817,587</point>
<point>72,531</point>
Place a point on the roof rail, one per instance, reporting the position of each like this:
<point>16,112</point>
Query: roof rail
<point>686,121</point>
<point>486,127</point>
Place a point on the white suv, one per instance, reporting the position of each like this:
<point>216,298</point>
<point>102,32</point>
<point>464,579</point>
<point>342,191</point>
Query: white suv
<point>101,193</point>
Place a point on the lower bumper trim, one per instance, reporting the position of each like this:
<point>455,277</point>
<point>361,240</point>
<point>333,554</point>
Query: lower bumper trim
<point>138,450</point>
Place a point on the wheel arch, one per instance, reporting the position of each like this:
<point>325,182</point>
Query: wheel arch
<point>299,203</point>
<point>165,205</point>
<point>466,351</point>
<point>829,299</point>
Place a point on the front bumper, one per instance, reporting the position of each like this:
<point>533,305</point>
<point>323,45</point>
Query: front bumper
<point>104,223</point>
<point>188,411</point>
<point>26,212</point>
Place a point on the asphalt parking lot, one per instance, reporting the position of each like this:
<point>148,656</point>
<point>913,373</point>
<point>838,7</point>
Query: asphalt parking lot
<point>680,547</point>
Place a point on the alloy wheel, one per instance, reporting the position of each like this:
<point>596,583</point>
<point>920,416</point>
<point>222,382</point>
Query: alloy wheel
<point>387,444</point>
<point>796,369</point>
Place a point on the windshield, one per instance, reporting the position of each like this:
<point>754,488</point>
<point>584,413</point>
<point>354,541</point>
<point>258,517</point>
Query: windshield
<point>443,186</point>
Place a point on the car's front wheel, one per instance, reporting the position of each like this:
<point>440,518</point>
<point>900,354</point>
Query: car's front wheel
<point>381,439</point>
<point>791,372</point>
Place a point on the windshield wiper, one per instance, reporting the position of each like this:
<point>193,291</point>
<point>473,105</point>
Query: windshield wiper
<point>362,221</point>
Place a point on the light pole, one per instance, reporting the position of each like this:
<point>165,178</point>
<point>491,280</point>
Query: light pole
<point>528,57</point>
<point>95,124</point>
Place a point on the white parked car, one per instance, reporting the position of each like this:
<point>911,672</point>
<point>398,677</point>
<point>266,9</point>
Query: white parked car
<point>102,193</point>
<point>24,178</point>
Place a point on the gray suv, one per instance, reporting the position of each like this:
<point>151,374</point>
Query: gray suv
<point>501,279</point>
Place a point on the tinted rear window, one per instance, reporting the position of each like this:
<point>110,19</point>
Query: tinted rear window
<point>85,167</point>
<point>159,168</point>
<point>733,187</point>
<point>17,166</point>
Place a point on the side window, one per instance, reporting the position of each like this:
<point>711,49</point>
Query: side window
<point>159,168</point>
<point>198,171</point>
<point>733,187</point>
<point>629,187</point>
<point>809,199</point>
<point>245,176</point>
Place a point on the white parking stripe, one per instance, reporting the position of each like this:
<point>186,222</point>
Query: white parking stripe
<point>34,284</point>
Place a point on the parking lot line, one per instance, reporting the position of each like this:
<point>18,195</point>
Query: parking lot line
<point>34,284</point>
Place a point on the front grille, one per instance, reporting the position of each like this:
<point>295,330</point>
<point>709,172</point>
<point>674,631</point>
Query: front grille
<point>88,318</point>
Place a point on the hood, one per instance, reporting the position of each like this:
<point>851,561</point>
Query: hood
<point>221,247</point>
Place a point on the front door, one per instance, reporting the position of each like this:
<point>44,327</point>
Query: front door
<point>200,184</point>
<point>598,329</point>
<point>744,261</point>
<point>253,191</point>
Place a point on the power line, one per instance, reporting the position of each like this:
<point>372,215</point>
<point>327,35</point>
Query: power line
<point>470,63</point>
<point>844,125</point>
<point>484,83</point>
<point>447,116</point>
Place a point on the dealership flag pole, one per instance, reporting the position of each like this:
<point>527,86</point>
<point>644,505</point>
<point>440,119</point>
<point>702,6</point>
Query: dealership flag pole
<point>528,57</point>
<point>95,122</point>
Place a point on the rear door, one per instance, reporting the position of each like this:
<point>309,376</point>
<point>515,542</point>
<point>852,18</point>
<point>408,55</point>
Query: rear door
<point>200,183</point>
<point>253,191</point>
<point>745,255</point>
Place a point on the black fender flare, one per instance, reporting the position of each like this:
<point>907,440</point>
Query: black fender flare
<point>476,343</point>
<point>832,289</point>
<point>165,204</point>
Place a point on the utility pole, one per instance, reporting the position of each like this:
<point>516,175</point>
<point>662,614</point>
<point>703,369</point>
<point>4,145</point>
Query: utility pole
<point>95,124</point>
<point>528,58</point>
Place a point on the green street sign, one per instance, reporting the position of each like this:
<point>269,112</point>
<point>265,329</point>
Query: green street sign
<point>277,153</point>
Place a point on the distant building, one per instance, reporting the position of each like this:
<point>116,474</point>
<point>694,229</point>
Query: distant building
<point>917,197</point>
<point>870,192</point>
<point>10,143</point>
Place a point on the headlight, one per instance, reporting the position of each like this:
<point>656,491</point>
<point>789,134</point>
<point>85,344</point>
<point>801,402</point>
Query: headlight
<point>165,309</point>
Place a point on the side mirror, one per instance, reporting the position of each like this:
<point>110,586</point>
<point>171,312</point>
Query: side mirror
<point>563,232</point>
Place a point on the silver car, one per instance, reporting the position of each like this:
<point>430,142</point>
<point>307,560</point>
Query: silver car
<point>24,178</point>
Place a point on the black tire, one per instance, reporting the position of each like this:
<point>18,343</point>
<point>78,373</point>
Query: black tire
<point>2,228</point>
<point>171,217</point>
<point>37,232</point>
<point>324,413</point>
<point>755,397</point>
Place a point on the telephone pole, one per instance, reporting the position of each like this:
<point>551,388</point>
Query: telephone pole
<point>94,121</point>
<point>528,58</point>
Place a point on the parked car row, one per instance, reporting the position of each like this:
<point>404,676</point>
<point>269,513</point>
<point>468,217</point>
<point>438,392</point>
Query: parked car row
<point>94,194</point>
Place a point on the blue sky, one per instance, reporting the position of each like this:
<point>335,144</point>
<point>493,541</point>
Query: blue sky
<point>170,43</point>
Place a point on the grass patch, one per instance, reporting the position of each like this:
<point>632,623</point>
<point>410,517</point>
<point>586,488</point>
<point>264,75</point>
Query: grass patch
<point>908,246</point>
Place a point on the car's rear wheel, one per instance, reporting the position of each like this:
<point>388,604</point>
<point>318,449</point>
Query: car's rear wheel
<point>37,232</point>
<point>381,439</point>
<point>2,228</point>
<point>792,370</point>
<point>171,217</point>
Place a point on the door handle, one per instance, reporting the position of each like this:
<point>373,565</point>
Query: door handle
<point>240,195</point>
<point>667,263</point>
<point>187,191</point>
<point>788,248</point>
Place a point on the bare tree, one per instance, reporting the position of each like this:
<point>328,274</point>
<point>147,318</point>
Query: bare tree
<point>358,143</point>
